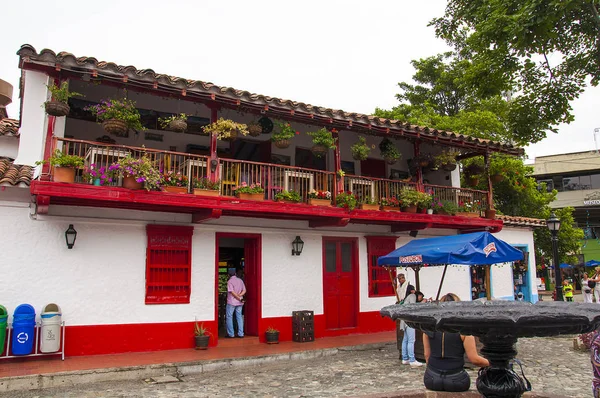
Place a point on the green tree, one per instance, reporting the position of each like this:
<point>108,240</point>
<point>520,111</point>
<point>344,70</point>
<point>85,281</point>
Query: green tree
<point>569,238</point>
<point>542,50</point>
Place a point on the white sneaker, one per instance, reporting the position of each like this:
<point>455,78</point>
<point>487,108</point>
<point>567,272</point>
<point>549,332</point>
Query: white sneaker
<point>416,363</point>
<point>405,362</point>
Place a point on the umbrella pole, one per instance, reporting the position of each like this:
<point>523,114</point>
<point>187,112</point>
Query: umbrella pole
<point>441,283</point>
<point>417,280</point>
<point>393,284</point>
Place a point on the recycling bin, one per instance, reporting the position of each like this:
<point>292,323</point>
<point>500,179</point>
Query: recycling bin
<point>23,333</point>
<point>3,319</point>
<point>50,332</point>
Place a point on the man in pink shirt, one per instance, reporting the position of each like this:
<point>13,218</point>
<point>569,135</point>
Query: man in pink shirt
<point>235,296</point>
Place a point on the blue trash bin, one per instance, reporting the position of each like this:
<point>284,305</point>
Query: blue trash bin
<point>23,333</point>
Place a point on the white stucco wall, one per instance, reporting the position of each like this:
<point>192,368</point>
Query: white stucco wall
<point>9,147</point>
<point>518,237</point>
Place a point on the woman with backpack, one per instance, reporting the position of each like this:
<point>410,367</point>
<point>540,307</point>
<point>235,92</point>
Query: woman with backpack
<point>596,285</point>
<point>586,288</point>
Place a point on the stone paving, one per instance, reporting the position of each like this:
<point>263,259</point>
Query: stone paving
<point>551,364</point>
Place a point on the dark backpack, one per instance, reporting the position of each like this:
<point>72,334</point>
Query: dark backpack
<point>591,284</point>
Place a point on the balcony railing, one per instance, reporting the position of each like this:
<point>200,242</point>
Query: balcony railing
<point>273,178</point>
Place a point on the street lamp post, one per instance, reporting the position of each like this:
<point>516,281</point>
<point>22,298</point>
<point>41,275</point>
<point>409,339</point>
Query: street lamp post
<point>554,225</point>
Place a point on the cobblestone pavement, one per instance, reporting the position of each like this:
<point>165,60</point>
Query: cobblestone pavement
<point>550,364</point>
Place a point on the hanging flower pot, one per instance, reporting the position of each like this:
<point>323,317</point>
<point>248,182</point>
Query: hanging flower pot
<point>390,160</point>
<point>473,180</point>
<point>175,123</point>
<point>496,178</point>
<point>319,150</point>
<point>282,143</point>
<point>323,140</point>
<point>57,108</point>
<point>254,129</point>
<point>115,127</point>
<point>449,166</point>
<point>178,125</point>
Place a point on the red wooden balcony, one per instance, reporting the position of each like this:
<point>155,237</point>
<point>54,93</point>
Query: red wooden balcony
<point>273,178</point>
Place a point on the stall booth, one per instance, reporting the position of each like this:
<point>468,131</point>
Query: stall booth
<point>475,249</point>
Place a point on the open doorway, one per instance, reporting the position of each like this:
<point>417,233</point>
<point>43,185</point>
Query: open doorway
<point>242,253</point>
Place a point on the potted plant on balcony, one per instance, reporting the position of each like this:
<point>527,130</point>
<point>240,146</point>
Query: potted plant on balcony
<point>226,129</point>
<point>471,172</point>
<point>389,204</point>
<point>272,335</point>
<point>175,123</point>
<point>346,200</point>
<point>117,116</point>
<point>368,203</point>
<point>469,208</point>
<point>281,138</point>
<point>250,192</point>
<point>201,336</point>
<point>323,141</point>
<point>175,182</point>
<point>446,160</point>
<point>254,129</point>
<point>64,166</point>
<point>388,151</point>
<point>424,160</point>
<point>409,200</point>
<point>288,197</point>
<point>138,172</point>
<point>98,175</point>
<point>360,150</point>
<point>319,198</point>
<point>203,186</point>
<point>424,202</point>
<point>444,207</point>
<point>58,105</point>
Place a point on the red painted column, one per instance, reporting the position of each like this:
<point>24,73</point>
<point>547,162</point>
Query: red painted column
<point>490,194</point>
<point>339,181</point>
<point>49,144</point>
<point>213,175</point>
<point>417,152</point>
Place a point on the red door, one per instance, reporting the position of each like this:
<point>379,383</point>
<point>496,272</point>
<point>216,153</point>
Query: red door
<point>340,283</point>
<point>252,287</point>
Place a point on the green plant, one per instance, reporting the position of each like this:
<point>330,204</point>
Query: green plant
<point>409,197</point>
<point>206,183</point>
<point>446,206</point>
<point>446,157</point>
<point>252,188</point>
<point>271,329</point>
<point>341,173</point>
<point>314,194</point>
<point>101,173</point>
<point>391,201</point>
<point>164,121</point>
<point>346,200</point>
<point>360,150</point>
<point>425,200</point>
<point>291,196</point>
<point>200,330</point>
<point>472,169</point>
<point>323,137</point>
<point>388,150</point>
<point>225,129</point>
<point>141,169</point>
<point>60,159</point>
<point>470,206</point>
<point>175,179</point>
<point>62,93</point>
<point>368,200</point>
<point>285,132</point>
<point>123,110</point>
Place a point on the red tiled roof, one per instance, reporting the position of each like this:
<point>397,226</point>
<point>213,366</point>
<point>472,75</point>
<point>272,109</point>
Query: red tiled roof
<point>9,127</point>
<point>13,174</point>
<point>516,221</point>
<point>147,77</point>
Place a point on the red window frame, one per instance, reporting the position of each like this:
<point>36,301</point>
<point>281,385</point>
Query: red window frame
<point>380,284</point>
<point>168,264</point>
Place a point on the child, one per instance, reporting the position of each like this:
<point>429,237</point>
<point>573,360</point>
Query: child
<point>568,290</point>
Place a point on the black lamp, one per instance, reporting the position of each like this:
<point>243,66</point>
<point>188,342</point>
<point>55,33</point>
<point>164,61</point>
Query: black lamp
<point>553,224</point>
<point>297,246</point>
<point>70,236</point>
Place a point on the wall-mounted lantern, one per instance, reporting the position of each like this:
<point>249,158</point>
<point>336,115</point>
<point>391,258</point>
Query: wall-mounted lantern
<point>297,246</point>
<point>70,236</point>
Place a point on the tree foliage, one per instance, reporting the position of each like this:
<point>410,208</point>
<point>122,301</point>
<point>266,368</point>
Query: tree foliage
<point>569,238</point>
<point>542,50</point>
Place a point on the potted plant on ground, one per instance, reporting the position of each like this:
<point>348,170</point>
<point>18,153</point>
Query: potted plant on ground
<point>176,123</point>
<point>250,192</point>
<point>175,182</point>
<point>205,187</point>
<point>323,141</point>
<point>446,160</point>
<point>98,175</point>
<point>319,198</point>
<point>409,200</point>
<point>58,104</point>
<point>272,335</point>
<point>138,172</point>
<point>201,336</point>
<point>64,166</point>
<point>388,151</point>
<point>369,204</point>
<point>288,197</point>
<point>360,150</point>
<point>117,116</point>
<point>389,203</point>
<point>469,208</point>
<point>226,129</point>
<point>281,138</point>
<point>346,200</point>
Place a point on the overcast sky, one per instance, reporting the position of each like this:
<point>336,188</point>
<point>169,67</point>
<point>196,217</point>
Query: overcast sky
<point>341,54</point>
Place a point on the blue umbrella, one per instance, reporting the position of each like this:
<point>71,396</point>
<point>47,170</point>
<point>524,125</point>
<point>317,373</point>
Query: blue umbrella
<point>592,263</point>
<point>563,265</point>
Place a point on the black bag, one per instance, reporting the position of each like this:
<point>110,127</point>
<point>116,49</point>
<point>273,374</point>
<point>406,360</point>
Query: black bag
<point>591,284</point>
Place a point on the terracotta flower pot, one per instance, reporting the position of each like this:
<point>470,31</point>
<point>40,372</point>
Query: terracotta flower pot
<point>206,192</point>
<point>390,208</point>
<point>57,108</point>
<point>64,174</point>
<point>175,189</point>
<point>282,144</point>
<point>319,202</point>
<point>130,182</point>
<point>473,181</point>
<point>115,127</point>
<point>497,178</point>
<point>468,214</point>
<point>410,209</point>
<point>259,197</point>
<point>490,214</point>
<point>365,206</point>
<point>177,125</point>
